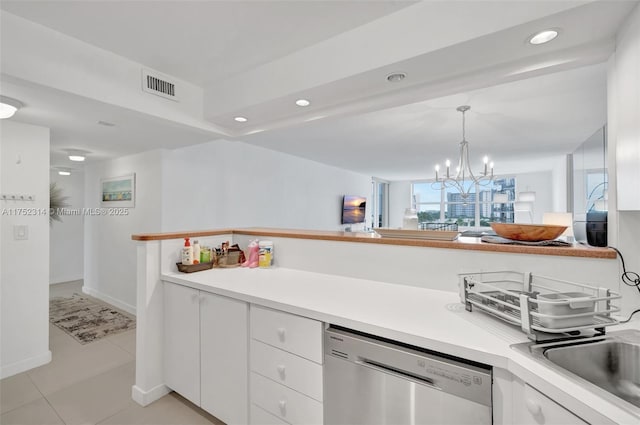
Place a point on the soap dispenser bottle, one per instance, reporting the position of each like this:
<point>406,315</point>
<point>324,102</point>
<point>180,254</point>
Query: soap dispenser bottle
<point>187,253</point>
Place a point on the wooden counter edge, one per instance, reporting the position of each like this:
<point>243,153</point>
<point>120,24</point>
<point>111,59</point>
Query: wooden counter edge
<point>574,251</point>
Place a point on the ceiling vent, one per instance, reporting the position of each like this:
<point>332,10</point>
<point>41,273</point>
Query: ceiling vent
<point>158,84</point>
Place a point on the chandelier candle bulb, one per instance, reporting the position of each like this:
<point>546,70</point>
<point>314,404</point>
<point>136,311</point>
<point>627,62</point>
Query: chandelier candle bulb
<point>448,164</point>
<point>437,169</point>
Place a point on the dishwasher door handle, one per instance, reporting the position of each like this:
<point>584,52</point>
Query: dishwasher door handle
<point>390,370</point>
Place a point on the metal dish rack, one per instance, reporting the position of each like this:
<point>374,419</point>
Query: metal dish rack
<point>447,227</point>
<point>512,296</point>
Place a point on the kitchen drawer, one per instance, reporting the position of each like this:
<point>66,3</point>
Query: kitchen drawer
<point>288,369</point>
<point>295,334</point>
<point>259,416</point>
<point>285,403</point>
<point>530,406</point>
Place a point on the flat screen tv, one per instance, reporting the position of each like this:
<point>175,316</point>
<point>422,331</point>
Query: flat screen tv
<point>353,209</point>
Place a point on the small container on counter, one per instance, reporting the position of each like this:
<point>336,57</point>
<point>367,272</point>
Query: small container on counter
<point>205,254</point>
<point>265,254</point>
<point>196,252</point>
<point>187,253</point>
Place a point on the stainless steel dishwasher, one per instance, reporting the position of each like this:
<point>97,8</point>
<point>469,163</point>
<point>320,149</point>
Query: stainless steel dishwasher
<point>370,380</point>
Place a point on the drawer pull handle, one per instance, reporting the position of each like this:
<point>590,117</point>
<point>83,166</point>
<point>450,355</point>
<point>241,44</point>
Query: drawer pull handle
<point>283,407</point>
<point>281,334</point>
<point>534,408</point>
<point>281,371</point>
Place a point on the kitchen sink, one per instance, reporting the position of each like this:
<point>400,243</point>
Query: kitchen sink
<point>610,364</point>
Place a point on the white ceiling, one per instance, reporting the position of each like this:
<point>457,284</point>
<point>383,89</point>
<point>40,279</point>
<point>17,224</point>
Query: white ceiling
<point>202,41</point>
<point>516,124</point>
<point>73,121</point>
<point>526,103</point>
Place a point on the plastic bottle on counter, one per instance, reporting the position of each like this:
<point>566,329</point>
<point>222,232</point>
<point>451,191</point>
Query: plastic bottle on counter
<point>410,219</point>
<point>187,253</point>
<point>196,252</point>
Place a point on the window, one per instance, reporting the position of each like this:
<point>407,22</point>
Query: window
<point>493,202</point>
<point>380,204</point>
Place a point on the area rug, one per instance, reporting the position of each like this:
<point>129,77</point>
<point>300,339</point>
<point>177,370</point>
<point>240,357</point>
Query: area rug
<point>87,320</point>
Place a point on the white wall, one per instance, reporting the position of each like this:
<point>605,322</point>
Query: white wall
<point>24,270</point>
<point>67,236</point>
<point>399,200</point>
<point>542,184</point>
<point>109,252</point>
<point>559,185</point>
<point>213,185</point>
<point>233,184</point>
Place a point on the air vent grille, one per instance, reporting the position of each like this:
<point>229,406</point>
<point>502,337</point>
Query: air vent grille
<point>159,85</point>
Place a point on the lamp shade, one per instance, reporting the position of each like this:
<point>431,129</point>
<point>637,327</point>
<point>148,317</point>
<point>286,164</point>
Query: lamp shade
<point>527,196</point>
<point>560,219</point>
<point>523,206</point>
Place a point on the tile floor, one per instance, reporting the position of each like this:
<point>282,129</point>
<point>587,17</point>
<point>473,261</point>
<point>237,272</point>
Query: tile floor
<point>88,384</point>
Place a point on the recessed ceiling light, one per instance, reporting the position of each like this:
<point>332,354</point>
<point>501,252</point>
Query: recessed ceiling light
<point>64,173</point>
<point>8,107</point>
<point>543,36</point>
<point>241,119</point>
<point>77,155</point>
<point>396,76</point>
<point>303,102</point>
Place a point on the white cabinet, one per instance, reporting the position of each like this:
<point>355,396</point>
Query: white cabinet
<point>286,368</point>
<point>182,341</point>
<point>223,358</point>
<point>532,407</point>
<point>624,111</point>
<point>206,351</point>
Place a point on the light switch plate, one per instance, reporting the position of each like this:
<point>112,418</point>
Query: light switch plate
<point>20,232</point>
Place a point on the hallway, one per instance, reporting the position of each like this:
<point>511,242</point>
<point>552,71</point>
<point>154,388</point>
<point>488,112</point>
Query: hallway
<point>88,384</point>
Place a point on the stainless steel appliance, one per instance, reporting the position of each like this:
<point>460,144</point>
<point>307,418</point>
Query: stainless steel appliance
<point>370,380</point>
<point>607,365</point>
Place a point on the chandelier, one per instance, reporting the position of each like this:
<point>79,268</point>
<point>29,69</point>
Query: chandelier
<point>464,180</point>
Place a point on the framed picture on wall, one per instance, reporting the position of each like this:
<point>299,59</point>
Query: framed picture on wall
<point>119,191</point>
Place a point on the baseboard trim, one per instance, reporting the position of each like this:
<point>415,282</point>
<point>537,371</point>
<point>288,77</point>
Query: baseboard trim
<point>65,279</point>
<point>145,398</point>
<point>24,365</point>
<point>114,302</point>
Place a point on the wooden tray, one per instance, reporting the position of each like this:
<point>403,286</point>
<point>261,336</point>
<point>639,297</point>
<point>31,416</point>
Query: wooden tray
<point>439,235</point>
<point>194,267</point>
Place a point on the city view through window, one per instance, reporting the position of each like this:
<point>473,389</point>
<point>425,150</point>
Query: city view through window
<point>446,205</point>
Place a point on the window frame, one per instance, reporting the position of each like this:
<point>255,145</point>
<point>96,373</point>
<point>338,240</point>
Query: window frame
<point>478,204</point>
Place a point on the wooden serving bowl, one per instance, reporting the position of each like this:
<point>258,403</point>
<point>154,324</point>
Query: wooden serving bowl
<point>528,232</point>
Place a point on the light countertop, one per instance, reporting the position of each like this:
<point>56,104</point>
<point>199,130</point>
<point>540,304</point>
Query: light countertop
<point>432,319</point>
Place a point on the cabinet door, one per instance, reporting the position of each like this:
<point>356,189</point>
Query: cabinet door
<point>224,358</point>
<point>627,109</point>
<point>532,407</point>
<point>182,341</point>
